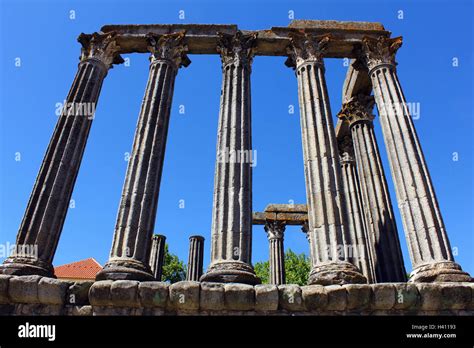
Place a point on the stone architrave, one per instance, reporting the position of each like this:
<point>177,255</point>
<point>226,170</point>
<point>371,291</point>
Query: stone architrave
<point>428,243</point>
<point>326,213</point>
<point>129,256</point>
<point>42,223</point>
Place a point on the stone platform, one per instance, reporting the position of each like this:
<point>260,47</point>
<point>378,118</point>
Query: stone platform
<point>35,295</point>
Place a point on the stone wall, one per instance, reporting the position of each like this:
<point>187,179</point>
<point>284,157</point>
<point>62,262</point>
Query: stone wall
<point>35,295</point>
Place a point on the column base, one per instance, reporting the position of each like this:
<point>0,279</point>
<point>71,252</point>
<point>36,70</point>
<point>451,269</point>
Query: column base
<point>336,273</point>
<point>27,266</point>
<point>230,272</point>
<point>446,271</point>
<point>125,269</point>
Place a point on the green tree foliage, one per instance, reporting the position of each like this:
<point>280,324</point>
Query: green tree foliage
<point>174,270</point>
<point>297,268</point>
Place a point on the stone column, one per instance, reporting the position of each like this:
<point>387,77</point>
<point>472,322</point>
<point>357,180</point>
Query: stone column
<point>195,258</point>
<point>428,242</point>
<point>359,254</point>
<point>381,225</point>
<point>231,244</point>
<point>42,223</point>
<point>326,214</point>
<point>129,257</point>
<point>157,256</point>
<point>275,230</point>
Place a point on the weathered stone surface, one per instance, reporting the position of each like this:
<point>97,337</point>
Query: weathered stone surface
<point>266,297</point>
<point>4,279</point>
<point>315,297</point>
<point>290,297</point>
<point>337,298</point>
<point>430,296</point>
<point>52,291</point>
<point>456,296</point>
<point>153,294</point>
<point>99,293</point>
<point>78,293</point>
<point>358,296</point>
<point>184,295</point>
<point>406,296</point>
<point>24,289</point>
<point>383,296</point>
<point>124,293</point>
<point>212,296</point>
<point>239,297</point>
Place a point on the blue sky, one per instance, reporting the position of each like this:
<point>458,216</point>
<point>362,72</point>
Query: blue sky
<point>43,36</point>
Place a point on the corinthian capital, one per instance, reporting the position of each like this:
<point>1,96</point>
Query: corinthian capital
<point>306,47</point>
<point>275,229</point>
<point>102,47</point>
<point>380,51</point>
<point>236,49</point>
<point>357,109</point>
<point>168,47</point>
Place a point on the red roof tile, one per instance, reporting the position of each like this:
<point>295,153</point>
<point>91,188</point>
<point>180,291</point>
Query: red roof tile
<point>84,269</point>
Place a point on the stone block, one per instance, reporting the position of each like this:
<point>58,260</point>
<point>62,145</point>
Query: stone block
<point>4,280</point>
<point>212,296</point>
<point>184,295</point>
<point>153,294</point>
<point>337,298</point>
<point>52,291</point>
<point>239,297</point>
<point>78,293</point>
<point>383,296</point>
<point>315,297</point>
<point>99,293</point>
<point>455,295</point>
<point>406,296</point>
<point>266,297</point>
<point>290,297</point>
<point>124,293</point>
<point>358,296</point>
<point>24,289</point>
<point>430,296</point>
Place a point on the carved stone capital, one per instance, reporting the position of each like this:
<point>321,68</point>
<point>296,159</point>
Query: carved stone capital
<point>380,51</point>
<point>357,109</point>
<point>168,47</point>
<point>275,229</point>
<point>236,49</point>
<point>100,47</point>
<point>305,48</point>
<point>346,149</point>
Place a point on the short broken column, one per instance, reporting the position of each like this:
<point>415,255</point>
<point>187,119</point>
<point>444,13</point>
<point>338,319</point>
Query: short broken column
<point>326,213</point>
<point>42,223</point>
<point>275,231</point>
<point>231,243</point>
<point>157,255</point>
<point>428,241</point>
<point>381,227</point>
<point>358,243</point>
<point>129,257</point>
<point>195,258</point>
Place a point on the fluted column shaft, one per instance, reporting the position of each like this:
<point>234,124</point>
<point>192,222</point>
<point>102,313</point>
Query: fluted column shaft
<point>275,231</point>
<point>42,223</point>
<point>428,242</point>
<point>195,258</point>
<point>359,254</point>
<point>326,213</point>
<point>157,256</point>
<point>381,225</point>
<point>231,244</point>
<point>129,256</point>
